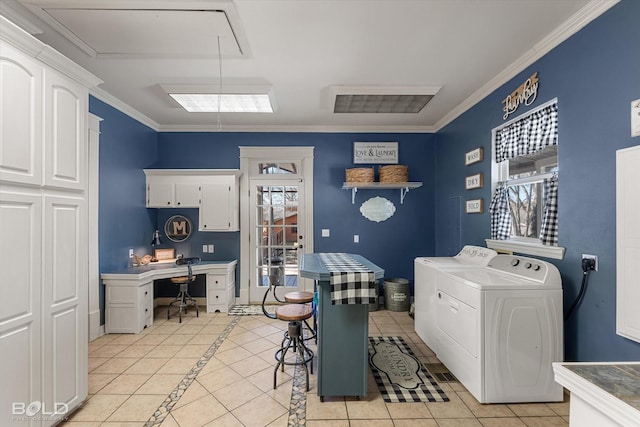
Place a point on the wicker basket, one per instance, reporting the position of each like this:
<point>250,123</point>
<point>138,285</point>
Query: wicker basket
<point>393,173</point>
<point>360,175</point>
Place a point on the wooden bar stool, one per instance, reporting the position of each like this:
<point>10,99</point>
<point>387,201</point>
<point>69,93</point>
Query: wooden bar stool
<point>297,298</point>
<point>295,314</point>
<point>183,299</point>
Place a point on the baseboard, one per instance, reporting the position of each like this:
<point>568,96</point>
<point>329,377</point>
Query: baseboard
<point>95,329</point>
<point>202,301</point>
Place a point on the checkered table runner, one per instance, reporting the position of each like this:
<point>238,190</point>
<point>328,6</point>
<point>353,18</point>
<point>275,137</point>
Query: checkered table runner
<point>351,282</point>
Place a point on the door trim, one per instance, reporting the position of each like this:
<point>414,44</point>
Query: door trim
<point>248,155</point>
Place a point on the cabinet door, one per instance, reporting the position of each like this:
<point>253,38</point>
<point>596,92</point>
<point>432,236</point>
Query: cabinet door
<point>65,121</point>
<point>64,301</point>
<point>215,208</point>
<point>20,116</point>
<point>20,312</point>
<point>188,195</point>
<point>160,194</point>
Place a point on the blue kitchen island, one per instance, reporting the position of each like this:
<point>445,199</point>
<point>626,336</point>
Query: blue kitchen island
<point>342,332</point>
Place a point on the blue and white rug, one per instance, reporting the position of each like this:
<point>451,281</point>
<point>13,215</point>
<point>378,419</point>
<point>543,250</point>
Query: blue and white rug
<point>250,310</point>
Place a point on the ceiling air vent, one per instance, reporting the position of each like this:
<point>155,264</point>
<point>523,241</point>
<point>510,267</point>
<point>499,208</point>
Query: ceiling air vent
<point>381,99</point>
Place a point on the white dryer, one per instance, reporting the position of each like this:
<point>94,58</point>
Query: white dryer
<point>500,328</point>
<point>425,277</point>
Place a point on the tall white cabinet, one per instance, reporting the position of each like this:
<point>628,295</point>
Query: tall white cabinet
<point>43,231</point>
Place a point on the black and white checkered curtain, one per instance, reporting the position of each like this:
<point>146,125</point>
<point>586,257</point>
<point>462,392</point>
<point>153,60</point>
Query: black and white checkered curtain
<point>529,134</point>
<point>500,216</point>
<point>549,227</point>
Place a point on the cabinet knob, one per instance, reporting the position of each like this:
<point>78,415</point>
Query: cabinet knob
<point>168,203</point>
<point>179,203</point>
<point>146,309</point>
<point>217,297</point>
<point>439,295</point>
<point>146,292</point>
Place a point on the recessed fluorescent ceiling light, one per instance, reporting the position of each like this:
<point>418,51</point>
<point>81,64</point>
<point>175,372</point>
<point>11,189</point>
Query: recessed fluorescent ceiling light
<point>384,99</point>
<point>225,103</point>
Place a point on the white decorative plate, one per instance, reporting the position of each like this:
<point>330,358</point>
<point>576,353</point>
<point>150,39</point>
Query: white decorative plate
<point>377,209</point>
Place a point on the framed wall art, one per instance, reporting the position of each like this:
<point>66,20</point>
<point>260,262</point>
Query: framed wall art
<point>473,156</point>
<point>474,206</point>
<point>375,152</point>
<point>474,181</point>
<point>178,228</point>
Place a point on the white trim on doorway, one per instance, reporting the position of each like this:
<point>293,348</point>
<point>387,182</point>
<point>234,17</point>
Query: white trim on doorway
<point>248,157</point>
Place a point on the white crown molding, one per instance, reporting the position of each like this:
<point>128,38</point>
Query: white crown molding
<point>107,98</point>
<point>584,16</point>
<point>301,129</point>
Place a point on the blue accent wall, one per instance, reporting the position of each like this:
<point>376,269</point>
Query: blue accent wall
<point>595,75</point>
<point>126,147</point>
<point>392,244</point>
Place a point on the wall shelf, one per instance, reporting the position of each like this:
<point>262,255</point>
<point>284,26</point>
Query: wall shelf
<point>404,187</point>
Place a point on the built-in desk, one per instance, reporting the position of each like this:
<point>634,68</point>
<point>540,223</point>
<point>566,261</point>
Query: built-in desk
<point>129,292</point>
<point>343,330</point>
<point>602,394</point>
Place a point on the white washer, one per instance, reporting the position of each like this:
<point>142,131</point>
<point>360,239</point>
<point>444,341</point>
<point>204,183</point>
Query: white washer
<point>425,277</point>
<point>499,329</point>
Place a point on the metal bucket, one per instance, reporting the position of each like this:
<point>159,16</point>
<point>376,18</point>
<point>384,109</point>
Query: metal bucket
<point>396,294</point>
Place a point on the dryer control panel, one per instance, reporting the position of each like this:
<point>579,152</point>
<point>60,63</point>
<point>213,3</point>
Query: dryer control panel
<point>527,268</point>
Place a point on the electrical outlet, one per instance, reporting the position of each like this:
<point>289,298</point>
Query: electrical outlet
<point>356,238</point>
<point>131,253</point>
<point>205,248</point>
<point>210,249</point>
<point>593,257</point>
<point>326,232</point>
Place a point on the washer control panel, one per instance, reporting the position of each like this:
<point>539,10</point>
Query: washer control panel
<point>475,255</point>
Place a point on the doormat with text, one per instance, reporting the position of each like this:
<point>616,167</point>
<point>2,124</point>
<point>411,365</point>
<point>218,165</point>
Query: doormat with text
<point>399,374</point>
<point>250,310</point>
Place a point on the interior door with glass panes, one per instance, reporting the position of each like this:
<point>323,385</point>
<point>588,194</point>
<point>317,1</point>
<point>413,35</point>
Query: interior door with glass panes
<point>277,234</point>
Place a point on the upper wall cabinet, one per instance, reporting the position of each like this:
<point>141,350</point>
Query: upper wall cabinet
<point>214,191</point>
<point>172,191</point>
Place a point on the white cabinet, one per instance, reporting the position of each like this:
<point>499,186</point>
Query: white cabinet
<point>627,243</point>
<point>129,294</point>
<point>221,291</point>
<point>129,307</point>
<point>220,205</point>
<point>43,229</point>
<point>214,191</point>
<point>172,192</point>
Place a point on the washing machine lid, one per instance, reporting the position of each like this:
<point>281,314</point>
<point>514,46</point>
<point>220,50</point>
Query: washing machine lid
<point>511,272</point>
<point>469,256</point>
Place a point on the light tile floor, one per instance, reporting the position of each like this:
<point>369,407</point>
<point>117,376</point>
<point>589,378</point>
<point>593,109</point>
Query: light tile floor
<point>217,370</point>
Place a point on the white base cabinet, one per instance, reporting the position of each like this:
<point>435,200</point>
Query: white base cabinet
<point>129,299</point>
<point>43,231</point>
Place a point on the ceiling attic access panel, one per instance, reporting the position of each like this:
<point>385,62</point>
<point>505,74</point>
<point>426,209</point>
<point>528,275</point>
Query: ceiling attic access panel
<point>132,29</point>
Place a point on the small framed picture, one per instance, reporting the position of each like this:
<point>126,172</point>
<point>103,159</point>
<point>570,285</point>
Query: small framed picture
<point>474,206</point>
<point>474,181</point>
<point>473,156</point>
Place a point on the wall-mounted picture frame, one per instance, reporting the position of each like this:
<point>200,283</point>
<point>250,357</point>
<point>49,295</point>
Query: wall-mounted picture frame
<point>474,181</point>
<point>473,156</point>
<point>474,206</point>
<point>178,228</point>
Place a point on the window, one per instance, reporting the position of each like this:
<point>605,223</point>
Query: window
<point>524,181</point>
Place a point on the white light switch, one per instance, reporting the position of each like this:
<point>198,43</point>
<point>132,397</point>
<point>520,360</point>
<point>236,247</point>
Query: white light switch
<point>210,249</point>
<point>635,117</point>
<point>326,232</point>
<point>356,238</point>
<point>205,248</point>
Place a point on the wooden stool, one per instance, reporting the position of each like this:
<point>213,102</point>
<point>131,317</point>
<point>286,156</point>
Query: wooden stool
<point>295,314</point>
<point>304,298</point>
<point>183,299</point>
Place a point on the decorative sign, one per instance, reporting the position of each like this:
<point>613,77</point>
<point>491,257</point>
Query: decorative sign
<point>525,94</point>
<point>473,156</point>
<point>474,181</point>
<point>474,206</point>
<point>377,209</point>
<point>178,228</point>
<point>375,152</point>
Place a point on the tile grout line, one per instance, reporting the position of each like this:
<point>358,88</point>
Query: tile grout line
<point>163,410</point>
